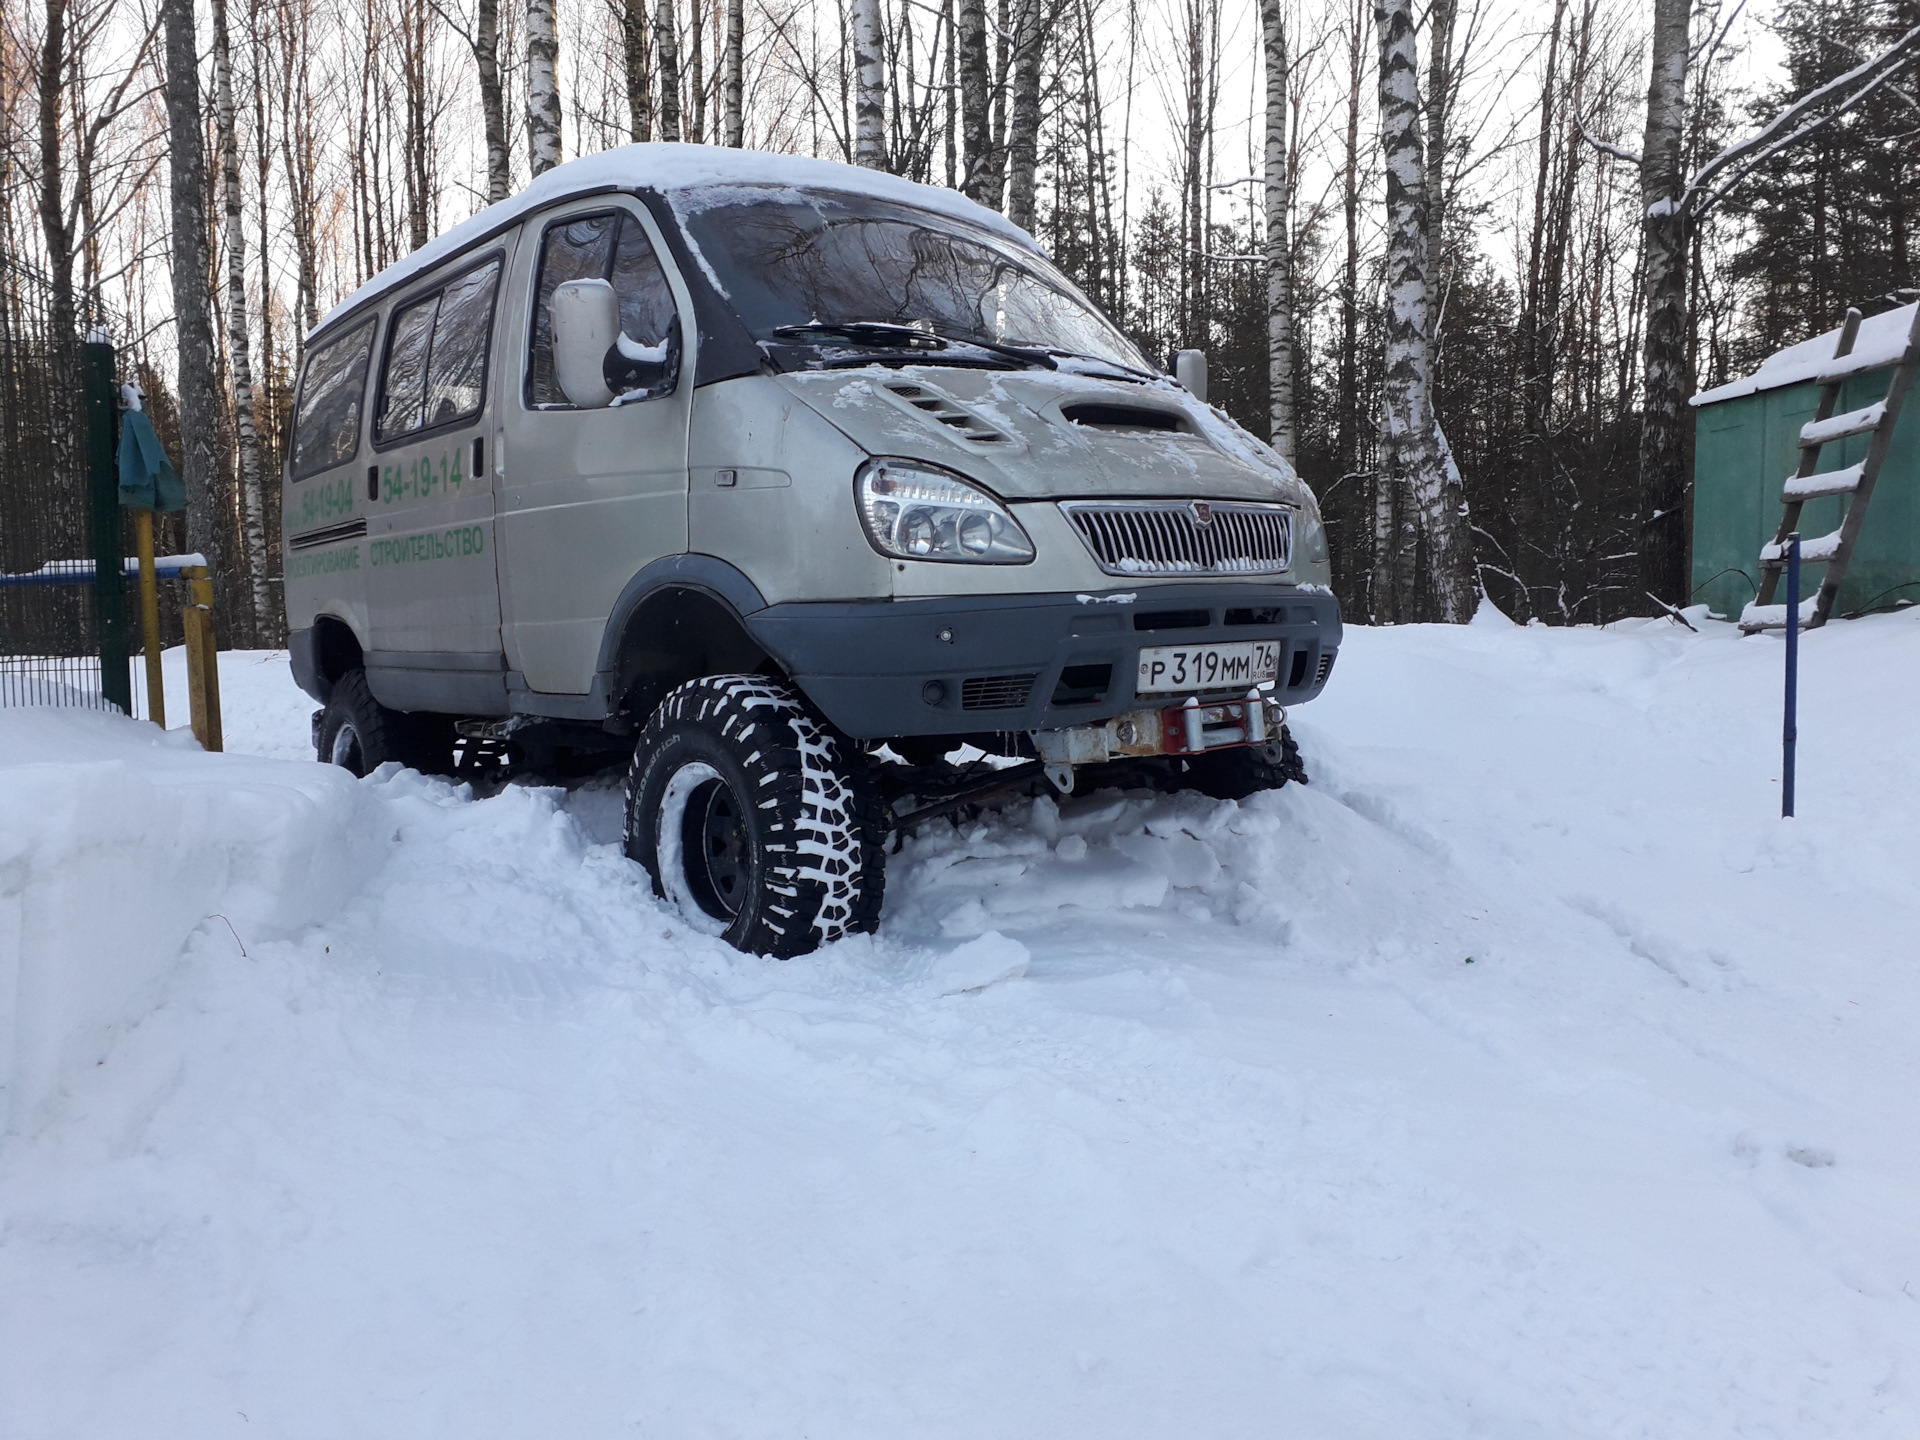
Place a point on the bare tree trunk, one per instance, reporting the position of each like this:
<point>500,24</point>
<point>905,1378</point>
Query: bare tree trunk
<point>58,234</point>
<point>414,40</point>
<point>1193,239</point>
<point>1279,203</point>
<point>192,303</point>
<point>736,131</point>
<point>1440,85</point>
<point>1413,434</point>
<point>667,36</point>
<point>263,43</point>
<point>950,95</point>
<point>1023,145</point>
<point>543,87</point>
<point>870,98</point>
<point>239,348</point>
<point>296,153</point>
<point>1382,608</point>
<point>980,181</point>
<point>1002,57</point>
<point>696,120</point>
<point>493,110</point>
<point>639,68</point>
<point>1663,477</point>
<point>1349,423</point>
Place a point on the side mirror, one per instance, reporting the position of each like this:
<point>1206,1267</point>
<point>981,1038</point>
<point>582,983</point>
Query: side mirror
<point>586,325</point>
<point>1189,368</point>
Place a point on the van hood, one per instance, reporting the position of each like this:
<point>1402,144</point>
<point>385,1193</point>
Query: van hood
<point>1050,435</point>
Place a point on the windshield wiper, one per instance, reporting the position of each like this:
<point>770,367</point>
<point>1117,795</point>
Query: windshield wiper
<point>892,334</point>
<point>1028,355</point>
<point>1096,359</point>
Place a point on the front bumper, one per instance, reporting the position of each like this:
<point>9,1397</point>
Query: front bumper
<point>960,665</point>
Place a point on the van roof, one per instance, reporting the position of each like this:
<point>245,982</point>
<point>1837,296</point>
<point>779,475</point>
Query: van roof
<point>678,172</point>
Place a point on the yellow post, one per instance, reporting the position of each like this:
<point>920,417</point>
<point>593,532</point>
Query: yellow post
<point>150,617</point>
<point>203,660</point>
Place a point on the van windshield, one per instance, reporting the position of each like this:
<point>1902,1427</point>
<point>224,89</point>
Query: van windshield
<point>826,269</point>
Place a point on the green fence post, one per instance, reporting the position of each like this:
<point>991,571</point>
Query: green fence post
<point>109,585</point>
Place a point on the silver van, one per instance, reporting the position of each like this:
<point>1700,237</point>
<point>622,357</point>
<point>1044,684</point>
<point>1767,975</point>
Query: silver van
<point>822,495</point>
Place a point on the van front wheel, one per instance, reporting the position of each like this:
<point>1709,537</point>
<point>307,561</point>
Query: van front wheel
<point>755,820</point>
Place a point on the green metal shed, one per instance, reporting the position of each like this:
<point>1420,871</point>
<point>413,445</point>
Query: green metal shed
<point>1747,437</point>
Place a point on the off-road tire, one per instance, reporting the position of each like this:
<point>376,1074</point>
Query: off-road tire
<point>803,853</point>
<point>1245,770</point>
<point>360,734</point>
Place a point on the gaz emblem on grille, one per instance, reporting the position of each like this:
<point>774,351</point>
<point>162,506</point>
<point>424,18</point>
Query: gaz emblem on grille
<point>1202,513</point>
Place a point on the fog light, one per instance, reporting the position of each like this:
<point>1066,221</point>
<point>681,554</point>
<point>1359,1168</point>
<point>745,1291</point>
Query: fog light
<point>934,692</point>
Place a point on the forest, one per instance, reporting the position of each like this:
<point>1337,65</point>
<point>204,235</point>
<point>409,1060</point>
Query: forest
<point>1462,261</point>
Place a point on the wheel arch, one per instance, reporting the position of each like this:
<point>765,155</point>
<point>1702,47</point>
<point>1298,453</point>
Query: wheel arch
<point>679,619</point>
<point>324,652</point>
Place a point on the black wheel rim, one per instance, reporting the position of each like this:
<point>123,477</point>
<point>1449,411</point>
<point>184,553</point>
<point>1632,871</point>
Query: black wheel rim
<point>717,850</point>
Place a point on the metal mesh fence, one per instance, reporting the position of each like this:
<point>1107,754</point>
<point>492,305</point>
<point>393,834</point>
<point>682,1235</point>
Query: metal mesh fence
<point>56,613</point>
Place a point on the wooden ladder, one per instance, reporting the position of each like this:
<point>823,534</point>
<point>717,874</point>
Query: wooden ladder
<point>1835,550</point>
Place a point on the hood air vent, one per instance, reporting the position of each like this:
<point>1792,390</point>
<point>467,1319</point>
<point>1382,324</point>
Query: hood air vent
<point>1127,419</point>
<point>963,422</point>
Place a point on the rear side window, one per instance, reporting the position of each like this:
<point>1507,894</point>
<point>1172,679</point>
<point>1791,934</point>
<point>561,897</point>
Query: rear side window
<point>326,426</point>
<point>436,368</point>
<point>612,247</point>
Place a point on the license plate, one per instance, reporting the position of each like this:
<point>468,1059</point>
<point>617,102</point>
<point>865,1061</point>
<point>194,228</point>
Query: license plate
<point>1179,669</point>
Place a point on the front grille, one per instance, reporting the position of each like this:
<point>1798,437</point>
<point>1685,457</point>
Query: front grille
<point>1326,667</point>
<point>995,692</point>
<point>1184,537</point>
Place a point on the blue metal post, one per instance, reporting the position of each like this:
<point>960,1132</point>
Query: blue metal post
<point>1790,728</point>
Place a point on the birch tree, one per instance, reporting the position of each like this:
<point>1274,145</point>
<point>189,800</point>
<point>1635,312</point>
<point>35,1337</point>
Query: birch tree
<point>1029,53</point>
<point>1278,189</point>
<point>869,102</point>
<point>635,43</point>
<point>1663,477</point>
<point>1413,435</point>
<point>981,171</point>
<point>493,110</point>
<point>239,347</point>
<point>543,87</point>
<point>667,37</point>
<point>734,66</point>
<point>695,119</point>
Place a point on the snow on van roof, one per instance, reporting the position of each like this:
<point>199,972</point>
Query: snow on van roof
<point>672,168</point>
<point>1881,342</point>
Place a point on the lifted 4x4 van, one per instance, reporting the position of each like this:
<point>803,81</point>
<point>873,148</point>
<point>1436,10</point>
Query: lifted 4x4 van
<point>787,479</point>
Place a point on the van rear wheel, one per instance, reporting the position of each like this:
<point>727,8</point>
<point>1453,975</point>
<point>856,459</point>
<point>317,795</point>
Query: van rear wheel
<point>360,734</point>
<point>755,819</point>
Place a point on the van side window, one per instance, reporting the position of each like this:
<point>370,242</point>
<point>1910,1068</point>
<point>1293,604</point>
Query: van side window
<point>613,248</point>
<point>436,368</point>
<point>326,424</point>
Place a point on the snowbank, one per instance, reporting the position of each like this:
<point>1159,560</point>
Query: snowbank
<point>118,844</point>
<point>1523,1076</point>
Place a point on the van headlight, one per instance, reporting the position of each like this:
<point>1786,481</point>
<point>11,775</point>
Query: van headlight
<point>915,512</point>
<point>1313,537</point>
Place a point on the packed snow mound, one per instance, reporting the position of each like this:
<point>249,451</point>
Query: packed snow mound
<point>119,843</point>
<point>1524,1075</point>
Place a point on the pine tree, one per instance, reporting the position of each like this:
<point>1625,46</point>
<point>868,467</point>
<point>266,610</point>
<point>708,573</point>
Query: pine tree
<point>1832,221</point>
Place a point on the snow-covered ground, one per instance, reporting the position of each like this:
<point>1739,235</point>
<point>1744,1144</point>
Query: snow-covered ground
<point>1525,1075</point>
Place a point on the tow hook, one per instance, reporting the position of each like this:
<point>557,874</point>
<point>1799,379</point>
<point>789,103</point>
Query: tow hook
<point>1190,728</point>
